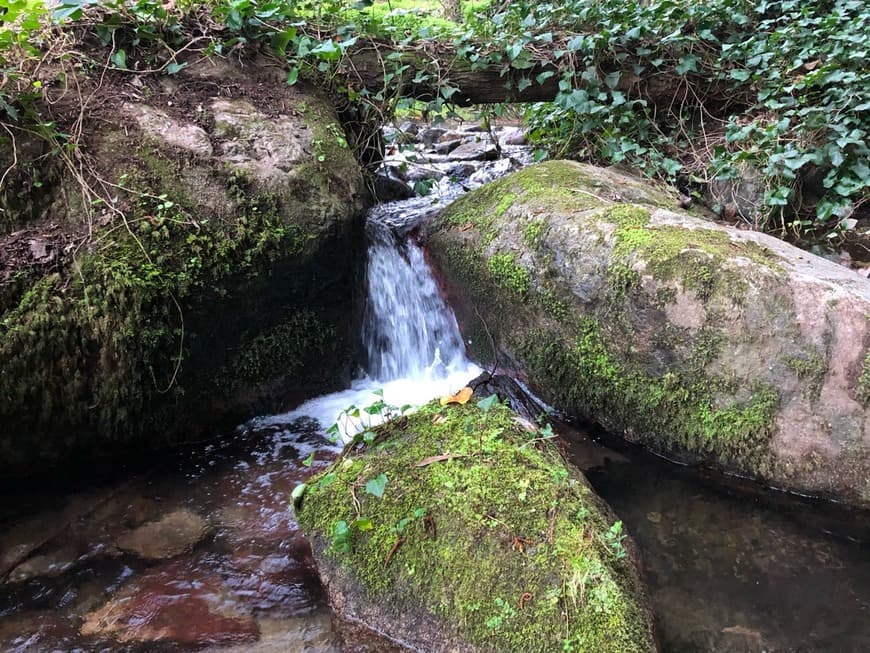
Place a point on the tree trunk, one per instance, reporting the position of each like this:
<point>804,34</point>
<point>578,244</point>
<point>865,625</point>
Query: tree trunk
<point>436,70</point>
<point>452,10</point>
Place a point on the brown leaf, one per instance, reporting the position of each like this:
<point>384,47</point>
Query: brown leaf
<point>439,459</point>
<point>460,397</point>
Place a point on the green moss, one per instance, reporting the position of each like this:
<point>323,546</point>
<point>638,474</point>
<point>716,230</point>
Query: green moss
<point>504,518</point>
<point>508,274</point>
<point>555,307</point>
<point>864,382</point>
<point>694,257</point>
<point>280,350</point>
<point>677,410</point>
<point>533,233</point>
<point>116,350</point>
<point>810,368</point>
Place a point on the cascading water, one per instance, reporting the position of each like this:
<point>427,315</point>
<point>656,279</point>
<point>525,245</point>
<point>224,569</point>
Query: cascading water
<point>408,330</point>
<point>414,350</point>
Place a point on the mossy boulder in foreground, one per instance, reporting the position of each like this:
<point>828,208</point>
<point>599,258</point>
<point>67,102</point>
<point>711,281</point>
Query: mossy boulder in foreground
<point>483,539</point>
<point>724,347</point>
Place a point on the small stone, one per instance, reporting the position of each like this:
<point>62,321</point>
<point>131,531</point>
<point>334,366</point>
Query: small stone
<point>170,536</point>
<point>475,151</point>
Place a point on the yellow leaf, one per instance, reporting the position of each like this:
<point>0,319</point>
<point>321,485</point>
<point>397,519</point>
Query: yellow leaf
<point>460,397</point>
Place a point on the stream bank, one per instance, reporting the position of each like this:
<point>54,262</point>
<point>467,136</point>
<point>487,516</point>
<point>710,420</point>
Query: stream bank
<point>245,578</point>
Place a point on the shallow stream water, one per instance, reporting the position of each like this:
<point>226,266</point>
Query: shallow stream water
<point>728,570</point>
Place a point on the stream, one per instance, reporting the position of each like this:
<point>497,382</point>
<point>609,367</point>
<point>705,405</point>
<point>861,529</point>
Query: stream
<point>201,552</point>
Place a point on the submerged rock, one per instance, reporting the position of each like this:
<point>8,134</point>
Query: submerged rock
<point>456,529</point>
<point>174,602</point>
<point>723,347</point>
<point>171,535</point>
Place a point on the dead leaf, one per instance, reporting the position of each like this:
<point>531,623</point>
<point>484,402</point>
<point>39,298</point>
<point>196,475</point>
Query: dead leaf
<point>438,418</point>
<point>466,226</point>
<point>460,397</point>
<point>439,459</point>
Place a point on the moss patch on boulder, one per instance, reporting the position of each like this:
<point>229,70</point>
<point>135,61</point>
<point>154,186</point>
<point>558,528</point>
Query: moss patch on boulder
<point>207,286</point>
<point>457,529</point>
<point>718,346</point>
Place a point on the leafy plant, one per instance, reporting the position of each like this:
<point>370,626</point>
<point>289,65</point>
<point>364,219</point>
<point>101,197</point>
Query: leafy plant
<point>613,538</point>
<point>377,485</point>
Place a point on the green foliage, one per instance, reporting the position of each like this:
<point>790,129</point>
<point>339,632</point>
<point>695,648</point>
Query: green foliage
<point>794,72</point>
<point>377,485</point>
<point>614,538</point>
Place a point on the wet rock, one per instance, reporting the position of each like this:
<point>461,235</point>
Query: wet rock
<point>35,631</point>
<point>461,170</point>
<point>311,633</point>
<point>170,536</point>
<point>453,135</point>
<point>446,147</point>
<point>274,189</point>
<point>388,189</point>
<point>46,565</point>
<point>469,521</point>
<point>475,151</point>
<point>708,344</point>
<point>431,135</point>
<point>175,602</point>
<point>512,136</point>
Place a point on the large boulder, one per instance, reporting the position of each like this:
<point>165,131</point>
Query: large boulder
<point>721,347</point>
<point>458,529</point>
<point>184,273</point>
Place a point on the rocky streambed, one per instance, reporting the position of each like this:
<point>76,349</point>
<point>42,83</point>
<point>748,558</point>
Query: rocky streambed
<point>581,283</point>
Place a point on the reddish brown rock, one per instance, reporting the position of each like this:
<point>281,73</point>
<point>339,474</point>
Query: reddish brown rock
<point>174,602</point>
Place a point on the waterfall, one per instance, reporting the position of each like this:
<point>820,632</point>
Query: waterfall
<point>413,348</point>
<point>408,330</point>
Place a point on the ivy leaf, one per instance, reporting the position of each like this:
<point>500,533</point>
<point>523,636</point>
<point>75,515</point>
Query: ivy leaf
<point>292,76</point>
<point>119,59</point>
<point>689,63</point>
<point>377,485</point>
<point>489,402</point>
<point>174,68</point>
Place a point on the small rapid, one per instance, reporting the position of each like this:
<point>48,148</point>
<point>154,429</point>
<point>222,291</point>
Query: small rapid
<point>414,351</point>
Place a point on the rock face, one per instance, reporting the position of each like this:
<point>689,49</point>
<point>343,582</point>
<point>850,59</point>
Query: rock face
<point>198,284</point>
<point>723,347</point>
<point>458,530</point>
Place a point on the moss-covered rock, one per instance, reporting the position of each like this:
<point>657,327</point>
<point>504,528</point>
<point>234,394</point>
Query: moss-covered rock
<point>456,529</point>
<point>201,283</point>
<point>724,347</point>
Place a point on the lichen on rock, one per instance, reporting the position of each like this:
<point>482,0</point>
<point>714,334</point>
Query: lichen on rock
<point>482,539</point>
